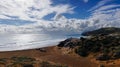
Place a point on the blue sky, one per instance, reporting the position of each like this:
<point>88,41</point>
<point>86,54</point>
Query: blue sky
<point>62,16</point>
<point>80,7</point>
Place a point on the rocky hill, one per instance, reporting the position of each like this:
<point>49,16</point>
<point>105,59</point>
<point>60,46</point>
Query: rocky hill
<point>103,31</point>
<point>105,47</point>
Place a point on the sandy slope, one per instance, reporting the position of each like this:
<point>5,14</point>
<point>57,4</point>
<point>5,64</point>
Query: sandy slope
<point>52,54</point>
<point>60,56</point>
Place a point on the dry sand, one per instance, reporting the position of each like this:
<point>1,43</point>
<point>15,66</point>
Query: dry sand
<point>56,55</point>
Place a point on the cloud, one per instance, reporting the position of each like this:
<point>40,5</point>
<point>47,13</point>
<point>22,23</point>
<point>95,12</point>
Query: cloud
<point>107,7</point>
<point>63,26</point>
<point>85,1</point>
<point>99,4</point>
<point>30,10</point>
<point>59,25</point>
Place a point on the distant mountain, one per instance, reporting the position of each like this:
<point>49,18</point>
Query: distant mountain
<point>103,31</point>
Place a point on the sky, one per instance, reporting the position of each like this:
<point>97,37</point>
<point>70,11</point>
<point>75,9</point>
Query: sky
<point>58,17</point>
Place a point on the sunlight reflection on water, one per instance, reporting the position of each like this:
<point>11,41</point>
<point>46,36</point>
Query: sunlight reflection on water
<point>27,41</point>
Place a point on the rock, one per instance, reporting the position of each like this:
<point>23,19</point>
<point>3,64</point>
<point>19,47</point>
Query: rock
<point>61,44</point>
<point>28,65</point>
<point>82,39</point>
<point>70,42</point>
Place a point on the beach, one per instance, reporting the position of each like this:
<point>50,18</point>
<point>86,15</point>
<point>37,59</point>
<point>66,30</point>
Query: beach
<point>51,54</point>
<point>55,55</point>
<point>72,52</point>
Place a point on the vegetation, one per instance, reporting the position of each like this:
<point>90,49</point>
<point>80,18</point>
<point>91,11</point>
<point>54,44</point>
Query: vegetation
<point>3,61</point>
<point>103,31</point>
<point>22,59</point>
<point>26,62</point>
<point>17,62</point>
<point>47,64</point>
<point>106,47</point>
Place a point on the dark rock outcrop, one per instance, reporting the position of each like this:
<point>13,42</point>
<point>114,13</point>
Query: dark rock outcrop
<point>70,42</point>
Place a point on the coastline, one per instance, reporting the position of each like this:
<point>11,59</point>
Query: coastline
<point>31,46</point>
<point>68,53</point>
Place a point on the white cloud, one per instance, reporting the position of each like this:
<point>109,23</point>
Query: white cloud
<point>64,26</point>
<point>85,1</point>
<point>107,7</point>
<point>60,24</point>
<point>36,9</point>
<point>99,4</point>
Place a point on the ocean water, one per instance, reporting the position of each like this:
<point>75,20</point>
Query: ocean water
<point>11,42</point>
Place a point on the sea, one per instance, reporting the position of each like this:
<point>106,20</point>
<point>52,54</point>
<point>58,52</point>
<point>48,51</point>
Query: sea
<point>13,42</point>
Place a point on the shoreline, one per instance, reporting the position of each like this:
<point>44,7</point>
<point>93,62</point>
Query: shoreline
<point>65,53</point>
<point>16,50</point>
<point>30,48</point>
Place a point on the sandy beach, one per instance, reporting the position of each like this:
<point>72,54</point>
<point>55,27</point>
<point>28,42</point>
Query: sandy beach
<point>56,55</point>
<point>52,54</point>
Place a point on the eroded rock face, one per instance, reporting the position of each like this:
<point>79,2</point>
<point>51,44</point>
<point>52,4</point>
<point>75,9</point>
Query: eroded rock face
<point>70,42</point>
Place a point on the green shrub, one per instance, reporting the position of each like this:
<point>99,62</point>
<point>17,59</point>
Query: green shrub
<point>82,52</point>
<point>22,60</point>
<point>47,64</point>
